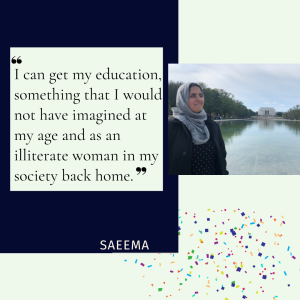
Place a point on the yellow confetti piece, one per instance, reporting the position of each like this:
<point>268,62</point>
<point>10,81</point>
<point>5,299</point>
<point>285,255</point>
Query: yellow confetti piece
<point>250,281</point>
<point>226,299</point>
<point>221,232</point>
<point>218,266</point>
<point>208,209</point>
<point>190,272</point>
<point>257,292</point>
<point>242,266</point>
<point>235,266</point>
<point>222,272</point>
<point>237,286</point>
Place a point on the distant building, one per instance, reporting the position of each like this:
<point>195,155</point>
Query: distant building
<point>266,111</point>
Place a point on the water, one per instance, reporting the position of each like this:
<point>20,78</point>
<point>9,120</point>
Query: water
<point>262,147</point>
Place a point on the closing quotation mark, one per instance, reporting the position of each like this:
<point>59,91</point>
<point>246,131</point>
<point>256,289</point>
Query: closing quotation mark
<point>138,169</point>
<point>19,61</point>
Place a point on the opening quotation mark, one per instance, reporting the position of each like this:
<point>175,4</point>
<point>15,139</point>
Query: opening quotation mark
<point>138,169</point>
<point>19,61</point>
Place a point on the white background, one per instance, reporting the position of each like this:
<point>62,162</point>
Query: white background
<point>135,136</point>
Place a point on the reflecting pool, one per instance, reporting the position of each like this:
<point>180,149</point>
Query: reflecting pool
<point>262,147</point>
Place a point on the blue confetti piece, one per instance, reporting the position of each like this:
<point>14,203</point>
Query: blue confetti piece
<point>173,254</point>
<point>224,243</point>
<point>149,266</point>
<point>181,269</point>
<point>125,259</point>
<point>228,256</point>
<point>200,259</point>
<point>242,225</point>
<point>189,275</point>
<point>252,223</point>
<point>288,248</point>
<point>135,260</point>
<point>266,257</point>
<point>285,273</point>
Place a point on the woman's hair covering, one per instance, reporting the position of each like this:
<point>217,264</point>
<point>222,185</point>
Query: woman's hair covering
<point>193,121</point>
<point>195,84</point>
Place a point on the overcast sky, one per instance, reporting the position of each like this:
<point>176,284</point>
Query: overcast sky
<point>256,86</point>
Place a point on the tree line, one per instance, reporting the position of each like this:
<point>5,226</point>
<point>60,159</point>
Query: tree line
<point>292,113</point>
<point>216,101</point>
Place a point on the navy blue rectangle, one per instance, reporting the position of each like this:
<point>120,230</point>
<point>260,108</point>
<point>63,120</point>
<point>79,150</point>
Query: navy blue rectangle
<point>76,222</point>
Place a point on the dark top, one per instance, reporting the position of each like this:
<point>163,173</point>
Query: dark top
<point>180,147</point>
<point>204,159</point>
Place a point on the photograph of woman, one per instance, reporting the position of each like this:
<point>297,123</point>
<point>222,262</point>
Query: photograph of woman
<point>195,143</point>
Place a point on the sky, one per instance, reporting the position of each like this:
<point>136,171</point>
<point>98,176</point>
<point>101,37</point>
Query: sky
<point>261,85</point>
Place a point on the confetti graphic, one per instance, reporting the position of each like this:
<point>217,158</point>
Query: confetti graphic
<point>241,254</point>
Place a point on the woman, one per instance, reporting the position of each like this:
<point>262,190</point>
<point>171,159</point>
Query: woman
<point>195,142</point>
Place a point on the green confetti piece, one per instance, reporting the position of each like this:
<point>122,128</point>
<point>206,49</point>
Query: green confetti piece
<point>180,283</point>
<point>159,289</point>
<point>185,279</point>
<point>189,257</point>
<point>191,267</point>
<point>193,251</point>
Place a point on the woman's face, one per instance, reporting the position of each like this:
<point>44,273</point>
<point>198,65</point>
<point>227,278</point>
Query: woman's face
<point>196,100</point>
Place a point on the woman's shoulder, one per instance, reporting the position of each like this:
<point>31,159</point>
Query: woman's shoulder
<point>174,124</point>
<point>172,120</point>
<point>210,120</point>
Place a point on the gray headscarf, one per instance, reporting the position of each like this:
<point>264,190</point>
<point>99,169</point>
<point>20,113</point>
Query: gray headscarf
<point>193,121</point>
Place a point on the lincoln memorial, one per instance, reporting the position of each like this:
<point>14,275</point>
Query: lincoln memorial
<point>263,111</point>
